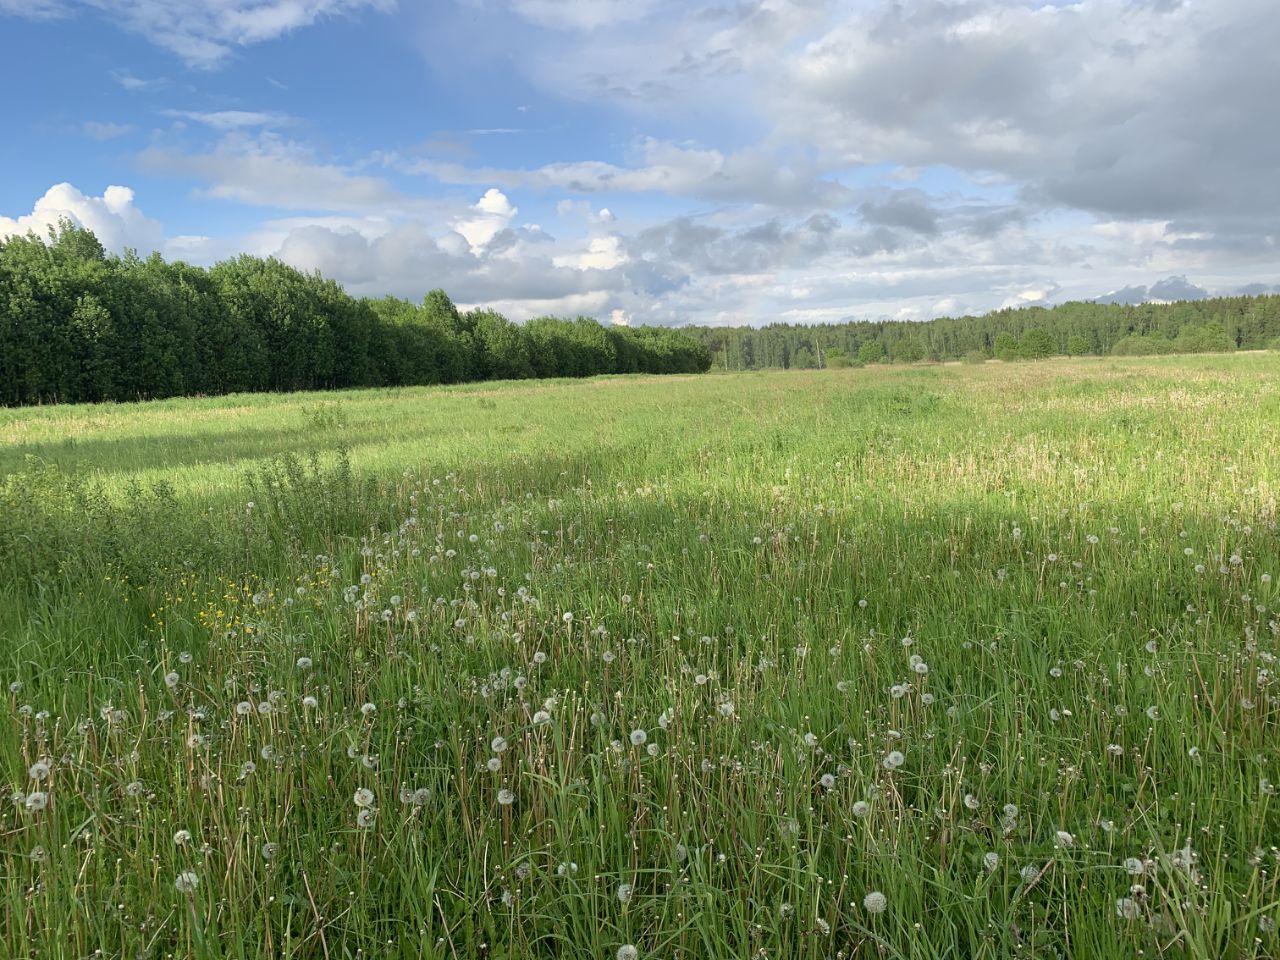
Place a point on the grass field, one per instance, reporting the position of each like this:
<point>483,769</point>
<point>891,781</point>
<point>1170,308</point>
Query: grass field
<point>963,662</point>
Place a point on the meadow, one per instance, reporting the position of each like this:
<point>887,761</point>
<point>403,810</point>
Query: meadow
<point>934,661</point>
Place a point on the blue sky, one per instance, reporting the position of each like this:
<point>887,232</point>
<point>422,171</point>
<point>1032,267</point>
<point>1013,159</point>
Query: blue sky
<point>664,162</point>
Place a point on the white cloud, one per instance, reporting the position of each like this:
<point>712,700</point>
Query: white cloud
<point>757,175</point>
<point>202,32</point>
<point>112,217</point>
<point>490,215</point>
<point>270,172</point>
<point>232,119</point>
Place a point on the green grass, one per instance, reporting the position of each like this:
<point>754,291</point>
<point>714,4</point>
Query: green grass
<point>1046,585</point>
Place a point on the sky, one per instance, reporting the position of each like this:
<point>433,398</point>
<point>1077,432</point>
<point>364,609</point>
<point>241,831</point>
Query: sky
<point>665,161</point>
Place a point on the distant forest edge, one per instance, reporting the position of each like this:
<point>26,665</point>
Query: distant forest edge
<point>1025,333</point>
<point>77,325</point>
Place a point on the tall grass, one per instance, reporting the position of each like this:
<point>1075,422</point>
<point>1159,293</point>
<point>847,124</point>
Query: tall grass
<point>690,666</point>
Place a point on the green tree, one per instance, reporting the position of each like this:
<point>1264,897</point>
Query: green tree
<point>1036,344</point>
<point>1077,346</point>
<point>871,351</point>
<point>908,349</point>
<point>1006,347</point>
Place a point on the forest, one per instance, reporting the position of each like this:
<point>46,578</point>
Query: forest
<point>1028,333</point>
<point>79,325</point>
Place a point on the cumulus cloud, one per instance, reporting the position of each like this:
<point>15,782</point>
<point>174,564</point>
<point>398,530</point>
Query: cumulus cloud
<point>1176,288</point>
<point>113,217</point>
<point>490,215</point>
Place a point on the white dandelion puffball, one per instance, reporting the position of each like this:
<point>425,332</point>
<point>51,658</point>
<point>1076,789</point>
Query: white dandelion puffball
<point>894,760</point>
<point>364,797</point>
<point>624,892</point>
<point>827,781</point>
<point>506,797</point>
<point>186,882</point>
<point>860,809</point>
<point>875,902</point>
<point>627,952</point>
<point>638,738</point>
<point>498,744</point>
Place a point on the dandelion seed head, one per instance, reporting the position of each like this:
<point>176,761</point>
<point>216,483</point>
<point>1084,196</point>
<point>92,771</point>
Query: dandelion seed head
<point>875,902</point>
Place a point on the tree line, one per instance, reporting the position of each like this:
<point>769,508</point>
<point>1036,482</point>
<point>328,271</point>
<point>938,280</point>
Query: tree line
<point>1029,333</point>
<point>77,324</point>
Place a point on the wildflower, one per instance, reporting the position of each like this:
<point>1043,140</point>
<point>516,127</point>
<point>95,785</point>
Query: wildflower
<point>1134,866</point>
<point>244,708</point>
<point>134,789</point>
<point>39,770</point>
<point>894,759</point>
<point>624,892</point>
<point>875,902</point>
<point>269,851</point>
<point>860,809</point>
<point>493,764</point>
<point>304,663</point>
<point>171,680</point>
<point>827,781</point>
<point>365,818</point>
<point>810,740</point>
<point>991,860</point>
<point>638,738</point>
<point>310,702</point>
<point>1066,839</point>
<point>506,798</point>
<point>1127,908</point>
<point>248,769</point>
<point>541,718</point>
<point>972,802</point>
<point>186,882</point>
<point>1153,713</point>
<point>498,745</point>
<point>182,837</point>
<point>368,710</point>
<point>627,952</point>
<point>39,854</point>
<point>37,801</point>
<point>726,709</point>
<point>364,797</point>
